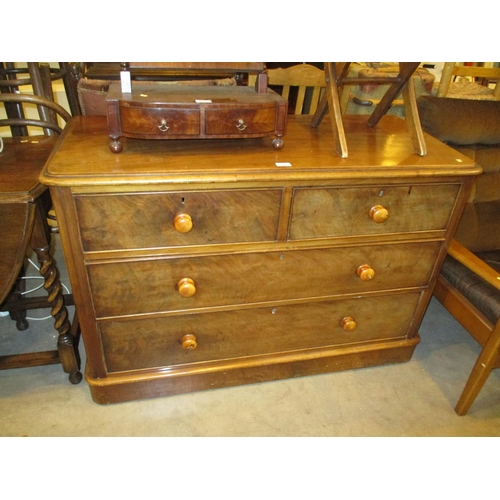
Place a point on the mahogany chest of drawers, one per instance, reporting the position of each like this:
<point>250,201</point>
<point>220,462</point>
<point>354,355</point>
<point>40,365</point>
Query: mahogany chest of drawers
<point>204,264</point>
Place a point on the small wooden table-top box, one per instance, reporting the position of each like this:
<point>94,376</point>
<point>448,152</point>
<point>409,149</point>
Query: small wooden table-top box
<point>190,110</point>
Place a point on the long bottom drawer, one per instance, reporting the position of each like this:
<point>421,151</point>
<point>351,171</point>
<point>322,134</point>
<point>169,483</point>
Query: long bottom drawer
<point>137,344</point>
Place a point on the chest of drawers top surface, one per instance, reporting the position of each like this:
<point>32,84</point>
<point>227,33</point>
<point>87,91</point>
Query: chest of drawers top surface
<point>383,151</point>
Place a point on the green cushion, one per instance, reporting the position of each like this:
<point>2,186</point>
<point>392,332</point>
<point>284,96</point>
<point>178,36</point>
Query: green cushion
<point>460,121</point>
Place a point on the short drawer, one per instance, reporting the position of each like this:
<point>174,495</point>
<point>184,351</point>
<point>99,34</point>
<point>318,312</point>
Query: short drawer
<point>244,121</point>
<point>178,284</point>
<point>336,212</point>
<point>159,121</point>
<point>162,342</point>
<point>156,220</point>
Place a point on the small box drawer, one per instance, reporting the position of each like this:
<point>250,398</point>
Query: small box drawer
<point>149,121</point>
<point>336,212</point>
<point>161,342</point>
<point>121,288</point>
<point>240,121</point>
<point>156,220</point>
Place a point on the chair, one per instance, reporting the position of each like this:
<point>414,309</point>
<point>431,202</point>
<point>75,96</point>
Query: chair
<point>337,77</point>
<point>469,89</point>
<point>468,279</point>
<point>40,76</point>
<point>469,282</point>
<point>50,123</point>
<point>362,99</point>
<point>308,80</point>
<point>24,204</point>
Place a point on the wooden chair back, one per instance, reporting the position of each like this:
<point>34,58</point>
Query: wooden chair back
<point>303,76</point>
<point>48,119</point>
<point>40,76</point>
<point>452,69</point>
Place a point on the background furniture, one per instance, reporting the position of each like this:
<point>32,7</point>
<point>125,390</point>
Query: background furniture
<point>474,86</point>
<point>40,76</point>
<point>153,71</point>
<point>469,284</point>
<point>361,99</point>
<point>302,85</point>
<point>337,76</point>
<point>205,264</point>
<point>24,206</point>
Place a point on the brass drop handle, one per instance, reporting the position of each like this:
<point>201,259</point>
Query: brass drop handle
<point>365,272</point>
<point>183,223</point>
<point>379,214</point>
<point>188,342</point>
<point>241,125</point>
<point>348,324</point>
<point>186,287</point>
<point>163,125</point>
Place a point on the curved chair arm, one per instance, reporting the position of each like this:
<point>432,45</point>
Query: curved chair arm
<point>474,263</point>
<point>10,122</point>
<point>38,100</point>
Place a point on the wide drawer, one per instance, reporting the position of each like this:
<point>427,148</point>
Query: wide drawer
<point>150,343</point>
<point>159,121</point>
<point>176,284</point>
<point>336,212</point>
<point>155,220</point>
<point>240,121</point>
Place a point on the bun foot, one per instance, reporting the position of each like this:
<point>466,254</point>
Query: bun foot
<point>116,146</point>
<point>278,143</point>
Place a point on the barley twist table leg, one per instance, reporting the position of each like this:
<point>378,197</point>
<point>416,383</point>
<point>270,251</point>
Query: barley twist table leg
<point>66,340</point>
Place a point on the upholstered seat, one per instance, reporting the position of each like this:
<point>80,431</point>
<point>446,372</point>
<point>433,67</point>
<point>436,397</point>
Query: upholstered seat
<point>473,82</point>
<point>480,293</point>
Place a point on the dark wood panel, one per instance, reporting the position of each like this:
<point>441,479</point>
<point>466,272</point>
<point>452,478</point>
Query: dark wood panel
<point>331,212</point>
<point>153,285</point>
<point>110,222</point>
<point>148,343</point>
<point>158,122</point>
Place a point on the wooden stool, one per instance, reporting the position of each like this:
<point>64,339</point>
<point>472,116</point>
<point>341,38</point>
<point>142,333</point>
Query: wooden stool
<point>336,75</point>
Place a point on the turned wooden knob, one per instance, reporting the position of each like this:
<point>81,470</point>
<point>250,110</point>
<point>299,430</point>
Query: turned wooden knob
<point>365,272</point>
<point>186,287</point>
<point>379,214</point>
<point>189,342</point>
<point>183,223</point>
<point>348,324</point>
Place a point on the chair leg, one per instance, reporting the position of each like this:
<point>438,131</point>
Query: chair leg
<point>406,70</point>
<point>413,120</point>
<point>333,98</point>
<point>481,371</point>
<point>445,81</point>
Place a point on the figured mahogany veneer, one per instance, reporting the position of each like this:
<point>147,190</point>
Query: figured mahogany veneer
<point>242,278</point>
<point>156,111</point>
<point>203,264</point>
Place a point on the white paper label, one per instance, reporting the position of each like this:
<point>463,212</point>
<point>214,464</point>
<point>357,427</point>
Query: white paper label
<point>126,82</point>
<point>283,164</point>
